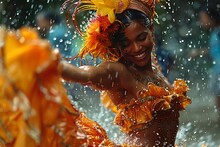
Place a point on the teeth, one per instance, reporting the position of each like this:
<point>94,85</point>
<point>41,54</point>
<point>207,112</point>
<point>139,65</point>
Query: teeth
<point>140,55</point>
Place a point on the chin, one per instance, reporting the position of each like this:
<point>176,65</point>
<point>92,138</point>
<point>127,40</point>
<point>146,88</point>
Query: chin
<point>144,63</point>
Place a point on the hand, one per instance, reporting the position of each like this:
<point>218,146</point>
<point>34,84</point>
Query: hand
<point>58,58</point>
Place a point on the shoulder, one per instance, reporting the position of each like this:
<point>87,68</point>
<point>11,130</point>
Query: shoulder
<point>116,68</point>
<point>113,66</point>
<point>162,80</point>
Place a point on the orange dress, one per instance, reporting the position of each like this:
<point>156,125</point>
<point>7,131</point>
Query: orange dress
<point>34,108</point>
<point>154,116</point>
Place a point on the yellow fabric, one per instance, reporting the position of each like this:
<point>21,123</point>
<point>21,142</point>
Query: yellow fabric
<point>110,7</point>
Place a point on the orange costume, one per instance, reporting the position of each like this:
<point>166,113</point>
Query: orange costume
<point>152,116</point>
<point>34,108</point>
<point>148,113</point>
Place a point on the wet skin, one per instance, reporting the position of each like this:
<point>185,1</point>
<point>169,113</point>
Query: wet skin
<point>113,76</point>
<point>137,46</point>
<point>118,80</point>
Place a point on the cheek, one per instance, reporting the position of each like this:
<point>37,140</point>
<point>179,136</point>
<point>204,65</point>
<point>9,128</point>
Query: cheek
<point>149,43</point>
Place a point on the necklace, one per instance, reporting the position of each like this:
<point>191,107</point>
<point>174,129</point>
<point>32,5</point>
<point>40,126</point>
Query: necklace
<point>151,77</point>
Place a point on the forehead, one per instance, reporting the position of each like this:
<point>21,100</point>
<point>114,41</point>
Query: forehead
<point>134,29</point>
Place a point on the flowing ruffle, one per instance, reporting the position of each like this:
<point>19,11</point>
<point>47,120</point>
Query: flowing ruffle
<point>34,107</point>
<point>138,113</point>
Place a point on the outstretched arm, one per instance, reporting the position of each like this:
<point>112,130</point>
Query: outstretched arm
<point>105,76</point>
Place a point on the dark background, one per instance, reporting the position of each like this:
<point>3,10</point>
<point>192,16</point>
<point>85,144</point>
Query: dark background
<point>181,32</point>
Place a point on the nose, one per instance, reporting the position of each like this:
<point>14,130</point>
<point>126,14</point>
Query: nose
<point>136,47</point>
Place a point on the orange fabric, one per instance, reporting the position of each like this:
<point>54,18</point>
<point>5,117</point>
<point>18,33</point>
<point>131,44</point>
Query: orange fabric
<point>107,102</point>
<point>139,112</point>
<point>35,110</point>
<point>94,132</point>
<point>34,107</point>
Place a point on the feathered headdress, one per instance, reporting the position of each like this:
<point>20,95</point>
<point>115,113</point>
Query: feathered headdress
<point>97,38</point>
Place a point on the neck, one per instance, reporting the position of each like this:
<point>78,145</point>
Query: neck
<point>147,68</point>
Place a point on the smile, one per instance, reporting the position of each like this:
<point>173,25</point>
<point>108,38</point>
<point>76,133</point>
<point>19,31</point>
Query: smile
<point>140,56</point>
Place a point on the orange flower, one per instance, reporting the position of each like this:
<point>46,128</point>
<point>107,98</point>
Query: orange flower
<point>97,40</point>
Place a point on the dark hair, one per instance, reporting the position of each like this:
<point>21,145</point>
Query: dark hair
<point>124,20</point>
<point>212,9</point>
<point>130,15</point>
<point>51,16</point>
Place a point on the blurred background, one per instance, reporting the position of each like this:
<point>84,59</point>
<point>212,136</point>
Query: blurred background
<point>179,32</point>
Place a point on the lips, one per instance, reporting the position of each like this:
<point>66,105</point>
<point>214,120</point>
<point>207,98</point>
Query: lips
<point>140,56</point>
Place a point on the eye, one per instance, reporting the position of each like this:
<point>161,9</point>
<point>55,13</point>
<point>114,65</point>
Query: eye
<point>142,36</point>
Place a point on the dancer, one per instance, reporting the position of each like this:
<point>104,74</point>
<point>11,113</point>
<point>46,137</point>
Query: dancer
<point>35,110</point>
<point>122,34</point>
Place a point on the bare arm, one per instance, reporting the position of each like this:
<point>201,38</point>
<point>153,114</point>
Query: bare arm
<point>106,76</point>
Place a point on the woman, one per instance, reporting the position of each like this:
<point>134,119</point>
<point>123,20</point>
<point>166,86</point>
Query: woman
<point>147,105</point>
<point>36,110</point>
